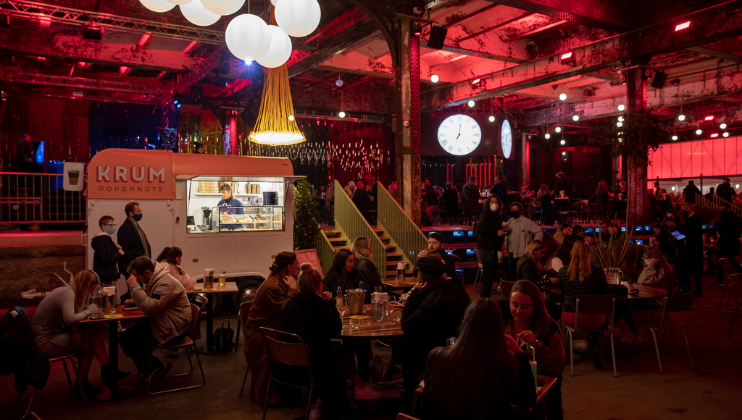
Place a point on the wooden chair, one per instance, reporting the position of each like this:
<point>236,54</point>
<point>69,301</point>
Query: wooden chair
<point>418,394</point>
<point>290,354</point>
<point>189,345</point>
<point>506,288</point>
<point>737,290</point>
<point>593,305</point>
<point>401,416</point>
<point>673,302</point>
<point>730,275</point>
<point>242,313</point>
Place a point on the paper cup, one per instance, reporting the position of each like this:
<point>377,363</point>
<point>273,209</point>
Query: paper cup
<point>401,266</point>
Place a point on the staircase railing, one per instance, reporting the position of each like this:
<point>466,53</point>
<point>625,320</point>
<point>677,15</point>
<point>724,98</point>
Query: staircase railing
<point>351,221</point>
<point>324,251</point>
<point>399,226</point>
<point>717,202</point>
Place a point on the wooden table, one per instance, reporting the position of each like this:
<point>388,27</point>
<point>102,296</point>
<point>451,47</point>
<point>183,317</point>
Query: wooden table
<point>373,331</point>
<point>229,287</point>
<point>115,392</point>
<point>546,383</point>
<point>645,292</point>
<point>392,284</point>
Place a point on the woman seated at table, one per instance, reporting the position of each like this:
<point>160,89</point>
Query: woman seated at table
<point>583,278</point>
<point>529,265</point>
<point>345,275</point>
<point>481,375</point>
<point>560,258</point>
<point>528,322</point>
<point>363,254</point>
<point>313,316</point>
<point>432,313</point>
<point>267,311</point>
<point>57,331</point>
<point>173,256</point>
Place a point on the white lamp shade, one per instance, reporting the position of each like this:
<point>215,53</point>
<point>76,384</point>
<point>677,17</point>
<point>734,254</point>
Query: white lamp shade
<point>298,18</point>
<point>279,51</point>
<point>223,7</point>
<point>179,2</point>
<point>247,37</point>
<point>158,6</point>
<point>197,14</point>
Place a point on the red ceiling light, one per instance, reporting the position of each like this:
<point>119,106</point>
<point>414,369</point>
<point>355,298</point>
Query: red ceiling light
<point>143,40</point>
<point>681,26</point>
<point>715,135</point>
<point>475,81</point>
<point>123,70</point>
<point>567,58</point>
<point>189,46</point>
<point>709,118</point>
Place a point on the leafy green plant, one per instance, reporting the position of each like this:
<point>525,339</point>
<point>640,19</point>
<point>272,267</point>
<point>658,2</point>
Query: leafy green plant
<point>615,252</point>
<point>306,215</point>
<point>639,133</point>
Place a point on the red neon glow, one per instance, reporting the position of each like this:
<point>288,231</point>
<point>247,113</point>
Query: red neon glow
<point>682,26</point>
<point>566,56</point>
<point>709,118</point>
<point>143,40</point>
<point>475,81</point>
<point>715,135</point>
<point>189,46</point>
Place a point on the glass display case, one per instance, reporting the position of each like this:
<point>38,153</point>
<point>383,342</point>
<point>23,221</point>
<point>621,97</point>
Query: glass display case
<point>231,204</point>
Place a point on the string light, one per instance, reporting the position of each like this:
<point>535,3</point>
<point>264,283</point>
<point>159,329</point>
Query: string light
<point>699,131</point>
<point>562,142</point>
<point>575,117</point>
<point>621,107</point>
<point>434,78</point>
<point>471,104</point>
<point>619,124</point>
<point>674,138</point>
<point>558,129</point>
<point>492,118</point>
<point>681,117</point>
<point>562,96</point>
<point>547,136</point>
<point>725,134</point>
<point>620,118</point>
<point>723,126</point>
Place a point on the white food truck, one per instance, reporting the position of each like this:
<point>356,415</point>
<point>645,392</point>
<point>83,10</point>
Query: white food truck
<point>179,198</point>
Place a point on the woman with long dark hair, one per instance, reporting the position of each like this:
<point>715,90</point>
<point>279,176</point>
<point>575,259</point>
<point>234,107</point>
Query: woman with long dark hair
<point>267,311</point>
<point>489,235</point>
<point>345,275</point>
<point>481,375</point>
<point>527,320</point>
<point>173,256</point>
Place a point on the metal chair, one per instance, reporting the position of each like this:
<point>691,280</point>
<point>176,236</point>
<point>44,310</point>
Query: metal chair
<point>189,345</point>
<point>480,273</point>
<point>730,275</point>
<point>72,357</point>
<point>737,290</point>
<point>290,354</point>
<point>593,305</point>
<point>673,302</point>
<point>242,313</point>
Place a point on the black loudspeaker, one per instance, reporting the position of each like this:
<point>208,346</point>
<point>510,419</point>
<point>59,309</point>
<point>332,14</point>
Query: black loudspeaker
<point>437,37</point>
<point>658,79</point>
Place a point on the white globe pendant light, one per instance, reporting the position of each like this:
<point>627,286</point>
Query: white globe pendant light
<point>279,51</point>
<point>247,37</point>
<point>158,6</point>
<point>223,7</point>
<point>273,2</point>
<point>197,14</point>
<point>179,2</point>
<point>298,18</point>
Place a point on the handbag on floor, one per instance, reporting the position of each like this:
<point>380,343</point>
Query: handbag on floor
<point>223,338</point>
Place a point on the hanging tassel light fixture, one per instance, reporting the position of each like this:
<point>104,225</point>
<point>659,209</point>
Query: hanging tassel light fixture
<point>276,125</point>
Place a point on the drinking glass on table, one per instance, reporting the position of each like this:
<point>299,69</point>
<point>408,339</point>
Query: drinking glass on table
<point>342,305</point>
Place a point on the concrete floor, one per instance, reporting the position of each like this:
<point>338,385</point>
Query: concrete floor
<point>639,392</point>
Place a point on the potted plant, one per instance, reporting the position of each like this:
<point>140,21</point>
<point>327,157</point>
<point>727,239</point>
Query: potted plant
<point>306,215</point>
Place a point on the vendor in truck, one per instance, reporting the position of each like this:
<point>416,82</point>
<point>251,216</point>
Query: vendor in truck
<point>228,200</point>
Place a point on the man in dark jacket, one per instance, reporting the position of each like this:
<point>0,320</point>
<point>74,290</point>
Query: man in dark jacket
<point>132,239</point>
<point>470,197</point>
<point>729,228</point>
<point>691,191</point>
<point>24,154</point>
<point>489,234</point>
<point>693,231</point>
<point>726,191</point>
<point>499,189</point>
<point>435,244</point>
<point>564,185</point>
<point>431,315</point>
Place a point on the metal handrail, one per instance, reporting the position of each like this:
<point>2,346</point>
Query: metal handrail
<point>351,221</point>
<point>30,198</point>
<point>716,203</point>
<point>399,226</point>
<point>324,251</point>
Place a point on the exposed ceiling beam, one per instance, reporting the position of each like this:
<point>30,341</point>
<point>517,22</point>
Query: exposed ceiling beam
<point>495,27</point>
<point>717,54</point>
<point>710,25</point>
<point>362,80</point>
<point>82,83</point>
<point>353,71</point>
<point>470,16</point>
<point>478,54</point>
<point>611,16</point>
<point>537,30</point>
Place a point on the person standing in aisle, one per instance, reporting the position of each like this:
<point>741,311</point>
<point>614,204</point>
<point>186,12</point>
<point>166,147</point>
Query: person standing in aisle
<point>106,253</point>
<point>691,191</point>
<point>694,245</point>
<point>132,239</point>
<point>520,232</point>
<point>489,234</point>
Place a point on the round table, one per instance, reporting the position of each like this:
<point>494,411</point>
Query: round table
<point>645,292</point>
<point>372,330</point>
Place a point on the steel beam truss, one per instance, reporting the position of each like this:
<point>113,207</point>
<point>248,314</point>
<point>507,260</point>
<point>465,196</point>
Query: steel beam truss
<point>82,83</point>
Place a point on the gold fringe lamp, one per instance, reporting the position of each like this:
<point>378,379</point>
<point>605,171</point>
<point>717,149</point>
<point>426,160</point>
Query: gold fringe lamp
<point>276,125</point>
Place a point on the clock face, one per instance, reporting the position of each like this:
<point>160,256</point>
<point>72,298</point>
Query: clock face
<point>459,134</point>
<point>506,139</point>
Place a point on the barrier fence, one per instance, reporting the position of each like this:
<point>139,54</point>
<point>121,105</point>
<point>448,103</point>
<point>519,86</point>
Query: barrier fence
<point>38,198</point>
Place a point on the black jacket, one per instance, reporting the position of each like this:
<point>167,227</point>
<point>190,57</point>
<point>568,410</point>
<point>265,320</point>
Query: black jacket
<point>526,270</point>
<point>451,202</point>
<point>726,192</point>
<point>131,244</point>
<point>316,322</point>
<point>566,186</point>
<point>105,258</point>
<point>430,196</point>
<point>19,355</point>
<point>485,230</point>
<point>690,193</point>
<point>361,200</point>
<point>500,190</point>
<point>369,271</point>
<point>470,199</point>
<point>333,280</point>
<point>594,284</point>
<point>432,315</point>
<point>447,260</point>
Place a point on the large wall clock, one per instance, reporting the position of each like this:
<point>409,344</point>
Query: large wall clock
<point>506,139</point>
<point>459,134</point>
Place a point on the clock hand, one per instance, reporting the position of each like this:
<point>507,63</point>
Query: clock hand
<point>459,131</point>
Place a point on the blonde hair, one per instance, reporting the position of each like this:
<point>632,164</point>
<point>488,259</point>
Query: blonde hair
<point>361,248</point>
<point>534,246</point>
<point>579,265</point>
<point>81,287</point>
<point>309,279</point>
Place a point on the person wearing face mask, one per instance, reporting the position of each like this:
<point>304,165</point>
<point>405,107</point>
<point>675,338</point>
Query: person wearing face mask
<point>132,238</point>
<point>489,233</point>
<point>106,253</point>
<point>520,232</point>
